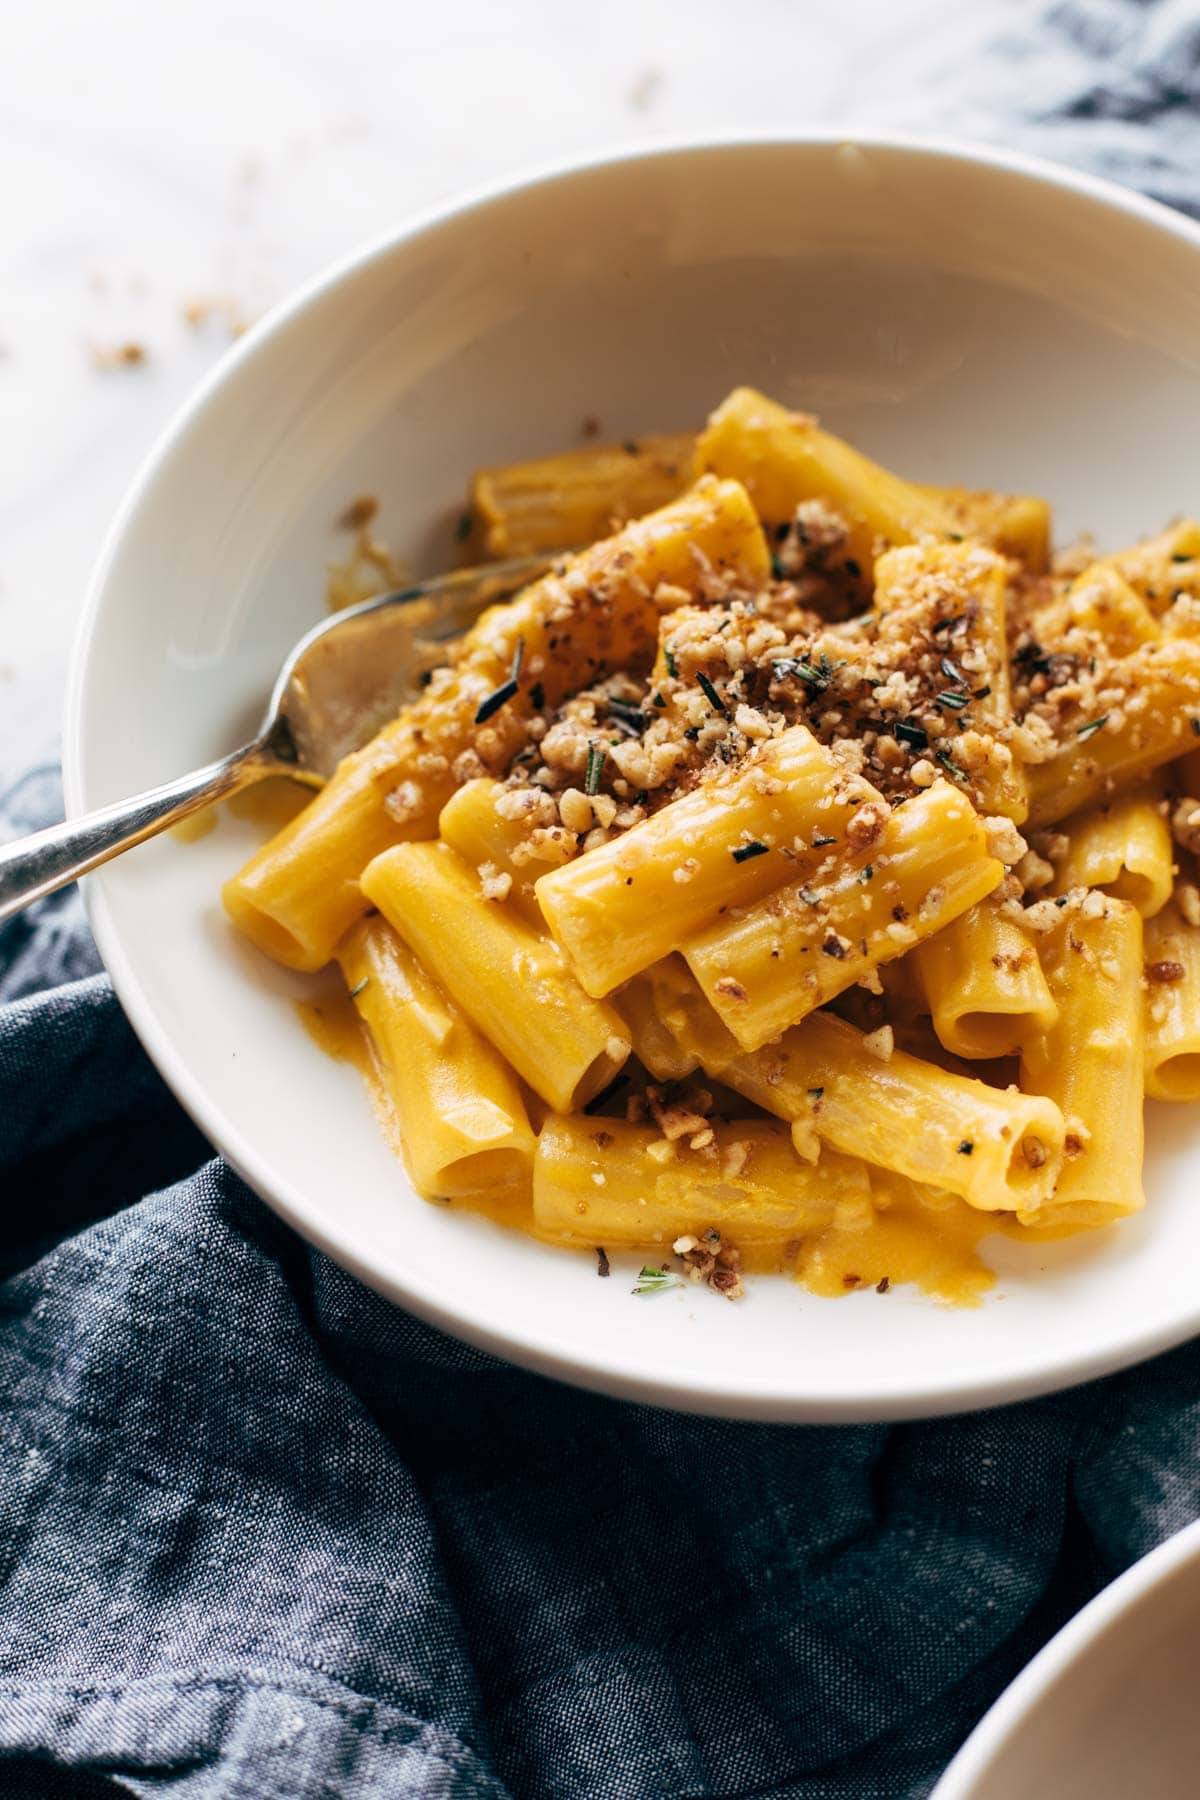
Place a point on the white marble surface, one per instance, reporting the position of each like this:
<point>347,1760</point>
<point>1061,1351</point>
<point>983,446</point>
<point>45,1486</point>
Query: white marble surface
<point>159,157</point>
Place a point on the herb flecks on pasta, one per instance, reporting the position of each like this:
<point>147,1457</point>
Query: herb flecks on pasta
<point>812,882</point>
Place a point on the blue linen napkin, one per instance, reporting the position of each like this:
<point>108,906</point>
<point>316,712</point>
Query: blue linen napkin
<point>264,1536</point>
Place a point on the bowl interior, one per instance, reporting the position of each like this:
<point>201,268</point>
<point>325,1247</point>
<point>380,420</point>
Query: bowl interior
<point>1107,1710</point>
<point>964,319</point>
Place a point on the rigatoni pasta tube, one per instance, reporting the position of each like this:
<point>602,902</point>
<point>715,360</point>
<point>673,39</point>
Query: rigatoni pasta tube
<point>1123,847</point>
<point>998,1149</point>
<point>1090,1062</point>
<point>922,585</point>
<point>765,966</point>
<point>473,828</point>
<point>457,1103</point>
<point>896,1111</point>
<point>619,908</point>
<point>1162,567</point>
<point>983,983</point>
<point>300,893</point>
<point>1101,604</point>
<point>1160,689</point>
<point>647,1004</point>
<point>603,1181</point>
<point>553,502</point>
<point>783,457</point>
<point>512,982</point>
<point>1172,1007</point>
<point>1017,525</point>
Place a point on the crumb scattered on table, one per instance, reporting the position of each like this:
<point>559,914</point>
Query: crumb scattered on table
<point>646,88</point>
<point>359,513</point>
<point>130,355</point>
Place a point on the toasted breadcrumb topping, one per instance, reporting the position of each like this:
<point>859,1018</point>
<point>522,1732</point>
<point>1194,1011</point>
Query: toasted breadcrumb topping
<point>904,698</point>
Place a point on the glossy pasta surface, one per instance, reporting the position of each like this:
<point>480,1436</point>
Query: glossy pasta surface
<point>805,866</point>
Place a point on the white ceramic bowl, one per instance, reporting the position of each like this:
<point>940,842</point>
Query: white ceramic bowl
<point>967,315</point>
<point>1107,1709</point>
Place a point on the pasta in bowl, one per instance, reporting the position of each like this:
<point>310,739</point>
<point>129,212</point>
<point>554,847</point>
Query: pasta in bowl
<point>797,877</point>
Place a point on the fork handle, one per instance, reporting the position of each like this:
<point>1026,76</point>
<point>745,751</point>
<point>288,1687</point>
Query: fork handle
<point>47,860</point>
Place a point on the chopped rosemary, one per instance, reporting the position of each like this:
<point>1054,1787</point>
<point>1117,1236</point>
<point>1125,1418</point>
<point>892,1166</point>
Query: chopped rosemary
<point>966,1147</point>
<point>914,735</point>
<point>711,695</point>
<point>669,659</point>
<point>951,767</point>
<point>1196,727</point>
<point>462,529</point>
<point>514,673</point>
<point>1092,727</point>
<point>815,675</point>
<point>954,702</point>
<point>628,712</point>
<point>603,1266</point>
<point>866,874</point>
<point>495,700</point>
<point>744,852</point>
<point>852,568</point>
<point>656,1281</point>
<point>595,763</point>
<point>981,693</point>
<point>660,700</point>
<point>816,1093</point>
<point>946,623</point>
<point>952,672</point>
<point>356,991</point>
<point>537,696</point>
<point>820,842</point>
<point>1182,556</point>
<point>607,1093</point>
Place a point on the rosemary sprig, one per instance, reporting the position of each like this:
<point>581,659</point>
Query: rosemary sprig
<point>656,1281</point>
<point>1092,727</point>
<point>595,764</point>
<point>628,712</point>
<point>492,702</point>
<point>711,695</point>
<point>951,767</point>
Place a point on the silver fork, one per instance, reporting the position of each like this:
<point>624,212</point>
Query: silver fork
<point>341,682</point>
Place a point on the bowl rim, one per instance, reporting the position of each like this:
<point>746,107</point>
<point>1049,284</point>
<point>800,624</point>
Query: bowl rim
<point>1006,1716</point>
<point>522,1345</point>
